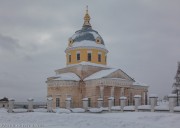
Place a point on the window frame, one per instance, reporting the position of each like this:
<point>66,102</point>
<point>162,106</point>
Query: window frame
<point>69,58</point>
<point>89,56</point>
<point>57,102</point>
<point>99,57</point>
<point>78,56</point>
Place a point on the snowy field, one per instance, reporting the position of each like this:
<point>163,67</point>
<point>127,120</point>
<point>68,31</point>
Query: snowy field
<point>42,119</point>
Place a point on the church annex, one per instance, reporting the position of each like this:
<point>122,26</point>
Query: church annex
<point>87,75</point>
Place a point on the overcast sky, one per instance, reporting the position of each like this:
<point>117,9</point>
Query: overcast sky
<point>142,36</point>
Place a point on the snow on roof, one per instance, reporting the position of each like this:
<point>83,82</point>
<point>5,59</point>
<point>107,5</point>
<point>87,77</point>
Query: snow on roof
<point>84,33</point>
<point>117,79</point>
<point>138,83</point>
<point>87,63</point>
<point>87,43</point>
<point>67,76</point>
<point>94,34</point>
<point>101,74</point>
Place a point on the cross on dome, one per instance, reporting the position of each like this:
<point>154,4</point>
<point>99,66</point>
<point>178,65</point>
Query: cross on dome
<point>87,19</point>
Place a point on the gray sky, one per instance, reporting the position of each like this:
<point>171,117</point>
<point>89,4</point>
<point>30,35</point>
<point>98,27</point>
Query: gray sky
<point>142,36</point>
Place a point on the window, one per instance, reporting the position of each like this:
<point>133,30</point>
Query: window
<point>78,56</point>
<point>89,56</point>
<point>69,58</point>
<point>99,57</point>
<point>57,102</point>
<point>70,42</point>
<point>98,40</point>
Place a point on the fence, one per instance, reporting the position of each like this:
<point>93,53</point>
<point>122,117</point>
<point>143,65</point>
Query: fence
<point>153,106</point>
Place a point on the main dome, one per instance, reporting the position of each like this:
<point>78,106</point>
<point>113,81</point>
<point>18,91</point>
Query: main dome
<point>86,37</point>
<point>86,33</point>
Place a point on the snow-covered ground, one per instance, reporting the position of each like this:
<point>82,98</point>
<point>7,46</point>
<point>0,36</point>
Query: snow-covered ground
<point>42,119</point>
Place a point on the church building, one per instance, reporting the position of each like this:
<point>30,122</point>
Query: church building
<point>86,74</point>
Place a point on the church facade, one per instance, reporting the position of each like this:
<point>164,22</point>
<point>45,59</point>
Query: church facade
<point>87,75</point>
